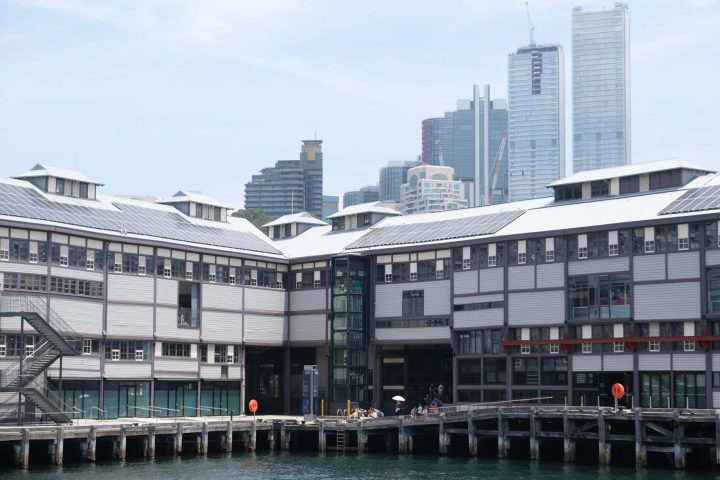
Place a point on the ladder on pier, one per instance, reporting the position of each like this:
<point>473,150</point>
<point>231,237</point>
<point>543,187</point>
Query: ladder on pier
<point>340,438</point>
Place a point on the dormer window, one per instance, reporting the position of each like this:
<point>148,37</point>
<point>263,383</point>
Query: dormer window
<point>83,190</point>
<point>60,186</point>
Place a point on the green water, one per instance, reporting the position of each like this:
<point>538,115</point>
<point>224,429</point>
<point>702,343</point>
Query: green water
<point>351,467</point>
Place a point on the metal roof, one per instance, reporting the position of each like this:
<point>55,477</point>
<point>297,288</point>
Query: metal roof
<point>183,196</point>
<point>371,207</point>
<point>302,217</point>
<point>40,170</point>
<point>627,170</point>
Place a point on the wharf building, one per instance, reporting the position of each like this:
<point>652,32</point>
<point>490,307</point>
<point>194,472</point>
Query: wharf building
<point>291,186</point>
<point>536,120</point>
<point>601,87</point>
<point>137,308</point>
<point>364,195</point>
<point>473,141</point>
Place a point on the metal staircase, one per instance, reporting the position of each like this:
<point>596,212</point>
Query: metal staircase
<point>58,339</point>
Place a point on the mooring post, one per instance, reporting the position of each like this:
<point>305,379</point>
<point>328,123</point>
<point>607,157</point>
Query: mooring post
<point>149,444</point>
<point>204,439</point>
<point>534,444</point>
<point>568,442</point>
<point>321,436</point>
<point>177,444</point>
<point>361,438</point>
<point>443,437</point>
<point>91,444</point>
<point>229,437</point>
<point>271,439</point>
<point>640,447</point>
<point>472,436</point>
<point>502,440</point>
<point>284,437</point>
<point>59,445</point>
<point>122,447</point>
<point>402,436</point>
<point>679,434</point>
<point>252,444</point>
<point>603,447</point>
<point>22,450</point>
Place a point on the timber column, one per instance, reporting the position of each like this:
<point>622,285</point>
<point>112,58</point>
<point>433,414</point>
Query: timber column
<point>603,447</point>
<point>568,442</point>
<point>640,447</point>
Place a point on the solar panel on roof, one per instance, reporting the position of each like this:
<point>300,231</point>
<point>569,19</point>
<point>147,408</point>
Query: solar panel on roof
<point>25,202</point>
<point>695,200</point>
<point>436,231</point>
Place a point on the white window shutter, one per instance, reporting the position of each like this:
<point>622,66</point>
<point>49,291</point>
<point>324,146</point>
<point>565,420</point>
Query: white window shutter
<point>587,331</point>
<point>582,240</point>
<point>689,329</point>
<point>466,253</point>
<point>316,275</point>
<point>550,244</point>
<point>612,237</point>
<point>618,330</point>
<point>649,234</point>
<point>683,230</point>
<point>522,246</point>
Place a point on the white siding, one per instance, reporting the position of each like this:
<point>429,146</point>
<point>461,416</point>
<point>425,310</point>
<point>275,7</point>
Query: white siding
<point>716,399</point>
<point>210,372</point>
<point>649,267</point>
<point>77,367</point>
<point>551,275</point>
<point>77,273</point>
<point>176,368</point>
<point>601,265</point>
<point>307,328</point>
<point>650,362</point>
<point>265,299</point>
<point>521,278</point>
<point>23,268</point>
<point>264,329</point>
<point>586,363</point>
<point>617,363</point>
<point>667,301</point>
<point>689,361</point>
<point>167,291</point>
<point>536,308</point>
<point>303,300</point>
<point>166,325</point>
<point>712,257</point>
<point>479,318</point>
<point>430,334</point>
<point>683,265</point>
<point>226,297</point>
<point>465,282</point>
<point>716,362</point>
<point>83,316</point>
<point>492,279</point>
<point>129,370</point>
<point>388,298</point>
<point>495,297</point>
<point>127,288</point>
<point>222,327</point>
<point>129,321</point>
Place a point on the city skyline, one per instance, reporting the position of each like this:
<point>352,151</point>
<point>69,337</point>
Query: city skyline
<point>204,91</point>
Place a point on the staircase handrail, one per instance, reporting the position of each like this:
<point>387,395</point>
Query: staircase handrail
<point>9,375</point>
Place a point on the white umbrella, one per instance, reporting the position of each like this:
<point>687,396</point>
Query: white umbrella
<point>398,398</point>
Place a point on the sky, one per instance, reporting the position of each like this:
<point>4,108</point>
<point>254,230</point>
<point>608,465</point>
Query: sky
<point>154,96</point>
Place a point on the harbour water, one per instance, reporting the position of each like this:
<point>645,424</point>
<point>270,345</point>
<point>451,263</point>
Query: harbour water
<point>351,467</point>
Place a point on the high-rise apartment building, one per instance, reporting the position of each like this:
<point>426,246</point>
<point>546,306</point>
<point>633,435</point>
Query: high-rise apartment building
<point>364,195</point>
<point>601,88</point>
<point>431,188</point>
<point>392,176</point>
<point>290,186</point>
<point>473,141</point>
<point>536,112</point>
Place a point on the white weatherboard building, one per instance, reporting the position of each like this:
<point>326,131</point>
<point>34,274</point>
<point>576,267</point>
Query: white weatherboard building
<point>615,278</point>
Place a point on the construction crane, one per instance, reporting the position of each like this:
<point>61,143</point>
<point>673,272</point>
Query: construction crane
<point>530,25</point>
<point>497,165</point>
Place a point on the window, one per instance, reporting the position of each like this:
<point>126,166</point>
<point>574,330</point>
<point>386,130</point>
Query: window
<point>466,263</point>
<point>613,249</point>
<point>90,264</point>
<point>550,256</point>
<point>212,278</point>
<point>649,246</point>
<point>522,258</point>
<point>494,370</point>
<point>525,371</point>
<point>63,261</point>
<point>317,283</point>
<point>554,348</point>
<point>582,252</point>
<point>653,346</point>
<point>388,278</point>
<point>525,349</point>
<point>33,257</point>
<point>142,270</point>
<point>221,354</point>
<point>599,188</point>
<point>554,371</point>
<point>469,372</point>
<point>83,190</point>
<point>492,260</point>
<point>587,348</point>
<point>683,243</point>
<point>600,296</point>
<point>139,355</point>
<point>413,276</point>
<point>439,274</point>
<point>5,255</point>
<point>60,186</point>
<point>167,272</point>
<point>115,355</point>
<point>231,281</point>
<point>117,268</point>
<point>176,349</point>
<point>618,347</point>
<point>218,214</point>
<point>413,303</point>
<point>689,345</point>
<point>87,346</point>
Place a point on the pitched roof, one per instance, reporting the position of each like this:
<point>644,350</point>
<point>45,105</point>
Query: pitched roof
<point>40,170</point>
<point>627,170</point>
<point>183,196</point>
<point>371,207</point>
<point>302,217</point>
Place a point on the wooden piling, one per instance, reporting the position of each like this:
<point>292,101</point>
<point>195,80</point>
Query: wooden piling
<point>229,436</point>
<point>640,447</point>
<point>285,437</point>
<point>443,437</point>
<point>59,445</point>
<point>177,444</point>
<point>603,446</point>
<point>679,435</point>
<point>534,443</point>
<point>472,436</point>
<point>568,442</point>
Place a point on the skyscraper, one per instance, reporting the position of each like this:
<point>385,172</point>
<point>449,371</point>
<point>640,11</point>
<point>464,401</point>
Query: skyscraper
<point>601,88</point>
<point>431,188</point>
<point>392,176</point>
<point>472,140</point>
<point>290,186</point>
<point>536,111</point>
<point>364,195</point>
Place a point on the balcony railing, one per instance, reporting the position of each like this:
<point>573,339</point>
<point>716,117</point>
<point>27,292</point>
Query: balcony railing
<point>601,311</point>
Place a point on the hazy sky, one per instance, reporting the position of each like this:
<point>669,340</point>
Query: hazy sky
<point>154,96</point>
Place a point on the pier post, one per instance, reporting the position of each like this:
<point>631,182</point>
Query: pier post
<point>603,447</point>
<point>534,444</point>
<point>122,447</point>
<point>149,443</point>
<point>679,434</point>
<point>271,439</point>
<point>252,444</point>
<point>472,436</point>
<point>91,445</point>
<point>640,447</point>
<point>177,444</point>
<point>22,450</point>
<point>402,437</point>
<point>204,440</point>
<point>443,436</point>
<point>59,446</point>
<point>568,442</point>
<point>229,437</point>
<point>284,437</point>
<point>362,438</point>
<point>321,436</point>
<point>388,437</point>
<point>503,449</point>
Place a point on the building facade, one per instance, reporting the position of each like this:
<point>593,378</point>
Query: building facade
<point>473,141</point>
<point>291,186</point>
<point>392,176</point>
<point>536,112</point>
<point>601,88</point>
<point>331,204</point>
<point>614,279</point>
<point>364,195</point>
<point>431,188</point>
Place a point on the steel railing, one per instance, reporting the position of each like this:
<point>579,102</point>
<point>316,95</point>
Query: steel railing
<point>12,374</point>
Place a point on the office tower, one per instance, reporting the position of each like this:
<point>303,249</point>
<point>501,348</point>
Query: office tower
<point>392,176</point>
<point>431,188</point>
<point>473,141</point>
<point>536,112</point>
<point>364,195</point>
<point>290,186</point>
<point>601,88</point>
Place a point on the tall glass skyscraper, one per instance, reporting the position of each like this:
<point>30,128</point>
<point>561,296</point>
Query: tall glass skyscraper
<point>392,176</point>
<point>536,112</point>
<point>601,88</point>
